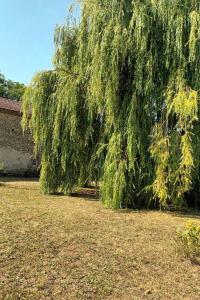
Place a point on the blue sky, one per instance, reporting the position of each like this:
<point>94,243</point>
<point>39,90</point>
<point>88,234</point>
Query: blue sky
<point>26,35</point>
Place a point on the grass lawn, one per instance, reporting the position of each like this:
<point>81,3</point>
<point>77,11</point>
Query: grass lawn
<point>56,247</point>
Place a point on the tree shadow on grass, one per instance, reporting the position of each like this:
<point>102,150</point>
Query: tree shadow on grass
<point>191,214</point>
<point>7,179</point>
<point>14,183</point>
<point>89,194</point>
<point>86,194</point>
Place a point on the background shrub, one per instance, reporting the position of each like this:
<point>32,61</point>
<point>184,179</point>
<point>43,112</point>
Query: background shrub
<point>188,240</point>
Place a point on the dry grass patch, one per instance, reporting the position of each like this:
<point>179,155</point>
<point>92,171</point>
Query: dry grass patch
<point>55,247</point>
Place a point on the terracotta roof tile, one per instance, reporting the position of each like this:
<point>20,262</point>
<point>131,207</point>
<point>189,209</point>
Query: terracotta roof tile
<point>10,105</point>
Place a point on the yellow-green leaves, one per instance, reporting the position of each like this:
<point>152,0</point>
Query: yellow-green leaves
<point>185,105</point>
<point>126,77</point>
<point>175,161</point>
<point>160,152</point>
<point>113,183</point>
<point>194,38</point>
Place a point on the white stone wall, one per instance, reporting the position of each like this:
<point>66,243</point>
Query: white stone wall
<point>16,148</point>
<point>15,162</point>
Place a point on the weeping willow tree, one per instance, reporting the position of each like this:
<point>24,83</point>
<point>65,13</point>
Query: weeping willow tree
<point>122,103</point>
<point>61,129</point>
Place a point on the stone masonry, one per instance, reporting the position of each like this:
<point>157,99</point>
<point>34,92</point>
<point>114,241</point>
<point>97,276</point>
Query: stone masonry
<point>16,148</point>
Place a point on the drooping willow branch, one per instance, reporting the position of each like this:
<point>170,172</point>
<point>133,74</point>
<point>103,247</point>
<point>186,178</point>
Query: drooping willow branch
<point>122,105</point>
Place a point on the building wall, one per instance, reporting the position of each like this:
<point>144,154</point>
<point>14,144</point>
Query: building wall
<point>16,148</point>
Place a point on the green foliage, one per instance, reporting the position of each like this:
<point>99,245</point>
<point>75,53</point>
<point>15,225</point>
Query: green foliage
<point>114,181</point>
<point>189,241</point>
<point>59,122</point>
<point>160,152</point>
<point>10,89</point>
<point>122,104</point>
<point>2,85</point>
<point>15,90</point>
